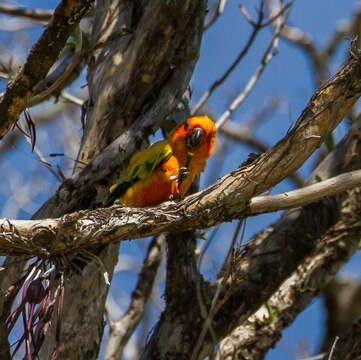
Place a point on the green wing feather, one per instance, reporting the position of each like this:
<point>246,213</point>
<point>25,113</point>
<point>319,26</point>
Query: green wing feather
<point>141,165</point>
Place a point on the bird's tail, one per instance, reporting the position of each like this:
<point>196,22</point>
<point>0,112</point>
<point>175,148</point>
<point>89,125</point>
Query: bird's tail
<point>116,191</point>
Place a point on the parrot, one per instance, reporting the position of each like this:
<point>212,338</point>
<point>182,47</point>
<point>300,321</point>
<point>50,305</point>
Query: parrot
<point>167,168</point>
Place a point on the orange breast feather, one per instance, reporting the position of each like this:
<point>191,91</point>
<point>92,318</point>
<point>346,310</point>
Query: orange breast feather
<point>156,188</point>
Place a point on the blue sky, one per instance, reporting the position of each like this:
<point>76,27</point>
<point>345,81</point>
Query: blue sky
<point>287,77</point>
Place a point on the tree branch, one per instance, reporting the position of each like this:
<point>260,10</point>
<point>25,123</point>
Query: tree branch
<point>348,347</point>
<point>306,195</point>
<point>121,330</point>
<point>325,110</point>
<point>34,14</point>
<point>91,229</point>
<point>42,56</point>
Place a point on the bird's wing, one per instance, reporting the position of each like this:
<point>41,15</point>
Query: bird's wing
<point>141,165</point>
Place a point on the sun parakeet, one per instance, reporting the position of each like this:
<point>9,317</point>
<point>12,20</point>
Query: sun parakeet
<point>167,168</point>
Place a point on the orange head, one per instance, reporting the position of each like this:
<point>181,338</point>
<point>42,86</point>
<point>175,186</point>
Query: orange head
<point>193,140</point>
<point>192,144</point>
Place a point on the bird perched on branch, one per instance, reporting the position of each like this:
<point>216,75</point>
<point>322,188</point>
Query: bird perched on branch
<point>167,168</point>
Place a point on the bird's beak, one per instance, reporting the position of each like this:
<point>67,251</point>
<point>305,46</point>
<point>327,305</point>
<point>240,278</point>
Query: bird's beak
<point>194,138</point>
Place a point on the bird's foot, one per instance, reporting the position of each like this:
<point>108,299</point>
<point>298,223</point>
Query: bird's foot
<point>183,174</point>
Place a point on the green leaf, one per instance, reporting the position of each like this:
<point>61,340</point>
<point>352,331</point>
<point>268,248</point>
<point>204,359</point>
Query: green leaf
<point>272,312</point>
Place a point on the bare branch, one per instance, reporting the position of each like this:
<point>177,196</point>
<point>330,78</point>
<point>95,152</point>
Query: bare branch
<point>42,56</point>
<point>121,330</point>
<point>306,195</point>
<point>34,14</point>
<point>257,26</point>
<point>303,40</point>
<point>266,58</point>
<point>217,13</point>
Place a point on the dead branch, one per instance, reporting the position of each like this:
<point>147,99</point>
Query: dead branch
<point>257,26</point>
<point>121,330</point>
<point>33,14</point>
<point>306,195</point>
<point>42,56</point>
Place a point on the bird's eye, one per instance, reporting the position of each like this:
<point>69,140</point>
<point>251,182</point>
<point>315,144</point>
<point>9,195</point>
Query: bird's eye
<point>194,138</point>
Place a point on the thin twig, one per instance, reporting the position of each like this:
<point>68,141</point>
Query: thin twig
<point>217,14</point>
<point>42,160</point>
<point>333,348</point>
<point>267,57</point>
<point>235,63</point>
<point>33,14</point>
<point>121,331</point>
<point>207,325</point>
<point>72,98</point>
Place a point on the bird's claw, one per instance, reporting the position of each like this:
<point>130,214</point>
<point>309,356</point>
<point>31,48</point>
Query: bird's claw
<point>173,197</point>
<point>183,174</point>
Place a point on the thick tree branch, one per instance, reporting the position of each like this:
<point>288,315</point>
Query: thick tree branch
<point>243,134</point>
<point>91,229</point>
<point>42,56</point>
